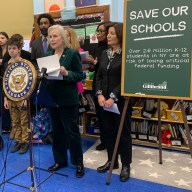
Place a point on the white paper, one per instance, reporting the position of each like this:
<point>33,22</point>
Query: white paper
<point>113,108</point>
<point>54,73</point>
<point>51,63</point>
<point>84,55</point>
<point>93,38</point>
<point>55,76</point>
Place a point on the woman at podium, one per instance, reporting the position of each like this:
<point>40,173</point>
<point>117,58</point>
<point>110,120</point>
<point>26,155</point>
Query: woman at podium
<point>64,92</point>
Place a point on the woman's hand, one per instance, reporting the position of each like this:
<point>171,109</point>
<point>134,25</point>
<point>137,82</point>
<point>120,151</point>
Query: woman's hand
<point>101,100</point>
<point>63,71</point>
<point>1,61</point>
<point>109,103</point>
<point>89,60</point>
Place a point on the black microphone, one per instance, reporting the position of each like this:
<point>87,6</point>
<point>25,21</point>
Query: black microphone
<point>41,76</point>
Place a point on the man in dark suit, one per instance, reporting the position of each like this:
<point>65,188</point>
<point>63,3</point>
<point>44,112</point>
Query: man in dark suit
<point>40,46</point>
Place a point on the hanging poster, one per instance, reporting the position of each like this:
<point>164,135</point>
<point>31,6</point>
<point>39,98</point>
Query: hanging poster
<point>85,3</point>
<point>53,5</point>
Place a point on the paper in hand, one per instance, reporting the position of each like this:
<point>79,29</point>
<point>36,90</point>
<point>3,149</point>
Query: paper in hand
<point>113,108</point>
<point>84,55</point>
<point>51,63</point>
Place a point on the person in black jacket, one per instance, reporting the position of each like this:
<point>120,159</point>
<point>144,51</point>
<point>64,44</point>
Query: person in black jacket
<point>94,62</point>
<point>108,90</point>
<point>5,117</point>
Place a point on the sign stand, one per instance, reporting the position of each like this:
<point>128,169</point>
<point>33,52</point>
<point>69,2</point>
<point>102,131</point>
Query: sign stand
<point>159,130</point>
<point>186,127</point>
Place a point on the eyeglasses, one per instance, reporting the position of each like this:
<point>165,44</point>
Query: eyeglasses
<point>100,31</point>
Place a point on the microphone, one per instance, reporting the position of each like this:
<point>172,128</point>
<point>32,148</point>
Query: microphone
<point>41,76</point>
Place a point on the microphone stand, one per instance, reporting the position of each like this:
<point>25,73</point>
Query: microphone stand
<point>42,76</point>
<point>32,168</point>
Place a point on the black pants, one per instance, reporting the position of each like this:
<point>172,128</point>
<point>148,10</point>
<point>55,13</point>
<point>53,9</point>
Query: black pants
<point>110,125</point>
<point>4,113</point>
<point>65,129</point>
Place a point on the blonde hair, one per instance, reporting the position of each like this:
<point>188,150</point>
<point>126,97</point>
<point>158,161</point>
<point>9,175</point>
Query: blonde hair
<point>63,34</point>
<point>74,42</point>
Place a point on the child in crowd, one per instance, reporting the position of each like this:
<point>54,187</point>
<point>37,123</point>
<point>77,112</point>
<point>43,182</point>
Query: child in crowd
<point>18,109</point>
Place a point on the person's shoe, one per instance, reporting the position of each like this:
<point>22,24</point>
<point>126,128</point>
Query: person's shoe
<point>16,147</point>
<point>57,166</point>
<point>125,173</point>
<point>106,167</point>
<point>100,147</point>
<point>79,171</point>
<point>24,148</point>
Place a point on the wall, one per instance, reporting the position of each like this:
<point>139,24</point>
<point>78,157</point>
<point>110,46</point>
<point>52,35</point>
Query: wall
<point>17,17</point>
<point>117,10</point>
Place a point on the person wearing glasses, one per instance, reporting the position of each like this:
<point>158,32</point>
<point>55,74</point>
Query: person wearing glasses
<point>94,62</point>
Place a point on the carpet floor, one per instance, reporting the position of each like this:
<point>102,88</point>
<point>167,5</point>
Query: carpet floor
<point>143,174</point>
<point>175,171</point>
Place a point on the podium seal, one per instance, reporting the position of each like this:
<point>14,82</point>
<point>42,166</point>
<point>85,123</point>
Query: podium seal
<point>19,80</point>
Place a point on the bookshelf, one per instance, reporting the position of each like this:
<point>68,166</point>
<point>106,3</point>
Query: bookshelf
<point>143,142</point>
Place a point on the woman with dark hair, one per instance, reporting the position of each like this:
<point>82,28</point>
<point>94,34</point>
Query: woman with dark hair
<point>108,90</point>
<point>94,62</point>
<point>3,45</point>
<point>4,113</point>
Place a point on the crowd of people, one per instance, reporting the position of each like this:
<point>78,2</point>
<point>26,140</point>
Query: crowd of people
<point>106,61</point>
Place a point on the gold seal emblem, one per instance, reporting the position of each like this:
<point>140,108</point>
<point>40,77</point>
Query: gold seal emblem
<point>19,80</point>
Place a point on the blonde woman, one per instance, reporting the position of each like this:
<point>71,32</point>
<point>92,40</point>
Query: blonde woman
<point>74,44</point>
<point>65,94</point>
<point>72,37</point>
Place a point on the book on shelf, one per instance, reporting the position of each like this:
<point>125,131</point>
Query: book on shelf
<point>183,133</point>
<point>176,106</point>
<point>90,102</point>
<point>140,103</point>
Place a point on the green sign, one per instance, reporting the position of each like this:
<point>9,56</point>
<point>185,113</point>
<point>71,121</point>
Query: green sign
<point>157,49</point>
<point>80,32</point>
<point>90,29</point>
